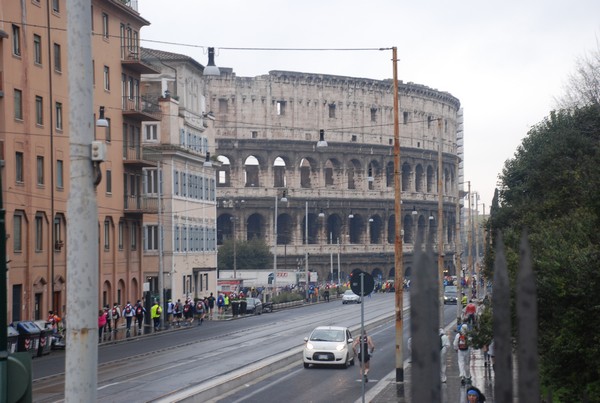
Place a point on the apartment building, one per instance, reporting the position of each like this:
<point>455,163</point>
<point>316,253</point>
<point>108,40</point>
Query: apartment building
<point>34,134</point>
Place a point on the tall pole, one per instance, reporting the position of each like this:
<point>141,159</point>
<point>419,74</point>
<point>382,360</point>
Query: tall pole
<point>331,255</point>
<point>477,227</point>
<point>275,249</point>
<point>458,252</point>
<point>233,219</point>
<point>3,301</point>
<point>470,242</point>
<point>306,249</point>
<point>81,362</point>
<point>338,260</point>
<point>440,229</point>
<point>398,266</point>
<point>161,270</point>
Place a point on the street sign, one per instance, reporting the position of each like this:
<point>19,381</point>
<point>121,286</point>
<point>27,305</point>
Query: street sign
<point>368,283</point>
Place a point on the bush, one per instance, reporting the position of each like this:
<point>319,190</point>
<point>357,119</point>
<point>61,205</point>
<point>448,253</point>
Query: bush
<point>287,297</point>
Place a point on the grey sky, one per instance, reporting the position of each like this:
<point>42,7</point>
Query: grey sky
<point>504,60</point>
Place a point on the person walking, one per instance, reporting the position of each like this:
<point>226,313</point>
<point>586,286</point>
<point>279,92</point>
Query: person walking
<point>178,313</point>
<point>140,311</point>
<point>474,395</point>
<point>170,311</point>
<point>445,345</point>
<point>220,306</point>
<point>211,305</point>
<point>109,320</point>
<point>101,324</point>
<point>461,345</point>
<point>365,346</point>
<point>116,314</point>
<point>128,313</point>
<point>155,313</point>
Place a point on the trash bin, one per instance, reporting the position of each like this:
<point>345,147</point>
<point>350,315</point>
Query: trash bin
<point>29,338</point>
<point>243,306</point>
<point>45,344</point>
<point>13,340</point>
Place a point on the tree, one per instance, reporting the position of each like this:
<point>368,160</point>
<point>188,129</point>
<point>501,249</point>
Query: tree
<point>583,86</point>
<point>250,255</point>
<point>550,189</point>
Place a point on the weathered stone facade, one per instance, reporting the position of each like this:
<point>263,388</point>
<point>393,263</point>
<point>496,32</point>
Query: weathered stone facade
<point>266,131</point>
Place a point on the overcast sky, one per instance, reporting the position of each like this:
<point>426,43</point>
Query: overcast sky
<point>504,60</point>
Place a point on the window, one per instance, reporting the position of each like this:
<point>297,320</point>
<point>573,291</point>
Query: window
<point>151,132</point>
<point>57,58</point>
<point>39,110</point>
<point>254,134</point>
<point>106,234</point>
<point>373,114</point>
<point>37,49</point>
<point>40,170</point>
<point>151,183</point>
<point>280,108</point>
<point>60,183</point>
<point>405,118</point>
<point>151,232</point>
<point>39,233</point>
<point>56,6</point>
<point>121,234</point>
<point>106,78</point>
<point>16,40</point>
<point>58,243</point>
<point>18,102</point>
<point>108,181</point>
<point>133,235</point>
<point>223,106</point>
<point>331,111</point>
<point>105,25</point>
<point>17,235</point>
<point>107,131</point>
<point>58,108</point>
<point>19,167</point>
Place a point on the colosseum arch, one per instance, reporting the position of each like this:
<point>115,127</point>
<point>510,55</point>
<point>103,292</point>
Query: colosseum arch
<point>285,229</point>
<point>430,179</point>
<point>313,228</point>
<point>421,228</point>
<point>374,175</point>
<point>251,171</point>
<point>408,229</point>
<point>356,228</point>
<point>389,174</point>
<point>352,172</point>
<point>279,173</point>
<point>334,227</point>
<point>391,233</point>
<point>224,171</point>
<point>406,172</point>
<point>447,181</point>
<point>255,227</point>
<point>307,172</point>
<point>333,172</point>
<point>419,178</point>
<point>375,229</point>
<point>224,228</point>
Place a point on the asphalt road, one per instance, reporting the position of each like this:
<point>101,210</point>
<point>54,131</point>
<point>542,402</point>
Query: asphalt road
<point>160,366</point>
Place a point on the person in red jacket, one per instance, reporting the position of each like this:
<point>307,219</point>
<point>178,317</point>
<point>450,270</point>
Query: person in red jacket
<point>101,324</point>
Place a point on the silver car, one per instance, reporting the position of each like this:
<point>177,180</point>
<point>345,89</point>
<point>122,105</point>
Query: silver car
<point>328,345</point>
<point>349,297</point>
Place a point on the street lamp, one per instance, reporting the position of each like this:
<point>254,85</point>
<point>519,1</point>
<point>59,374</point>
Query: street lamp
<point>233,219</point>
<point>283,200</point>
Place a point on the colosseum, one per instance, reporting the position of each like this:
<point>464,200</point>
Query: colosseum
<point>325,143</point>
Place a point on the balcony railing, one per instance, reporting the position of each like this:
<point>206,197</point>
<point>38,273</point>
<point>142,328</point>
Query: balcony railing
<point>131,4</point>
<point>141,204</point>
<point>144,108</point>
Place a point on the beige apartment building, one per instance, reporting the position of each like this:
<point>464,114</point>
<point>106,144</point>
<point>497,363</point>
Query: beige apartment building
<point>34,136</point>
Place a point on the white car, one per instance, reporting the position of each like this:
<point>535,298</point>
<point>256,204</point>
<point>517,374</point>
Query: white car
<point>349,297</point>
<point>328,345</point>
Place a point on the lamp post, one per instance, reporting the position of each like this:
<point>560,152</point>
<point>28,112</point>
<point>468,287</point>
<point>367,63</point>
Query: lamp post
<point>306,249</point>
<point>284,200</point>
<point>440,248</point>
<point>331,255</point>
<point>234,246</point>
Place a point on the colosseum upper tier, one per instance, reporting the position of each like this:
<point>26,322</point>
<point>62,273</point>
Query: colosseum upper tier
<point>340,198</point>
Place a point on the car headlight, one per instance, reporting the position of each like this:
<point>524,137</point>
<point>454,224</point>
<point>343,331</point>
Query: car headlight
<point>309,346</point>
<point>340,347</point>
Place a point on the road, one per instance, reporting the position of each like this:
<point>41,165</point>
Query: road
<point>161,367</point>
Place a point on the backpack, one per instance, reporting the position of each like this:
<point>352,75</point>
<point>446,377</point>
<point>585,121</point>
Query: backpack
<point>139,310</point>
<point>200,306</point>
<point>177,307</point>
<point>186,308</point>
<point>115,313</point>
<point>462,342</point>
<point>128,309</point>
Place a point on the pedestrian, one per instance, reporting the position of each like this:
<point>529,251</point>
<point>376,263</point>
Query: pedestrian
<point>364,345</point>
<point>461,345</point>
<point>128,313</point>
<point>155,313</point>
<point>178,313</point>
<point>140,311</point>
<point>101,324</point>
<point>108,327</point>
<point>445,345</point>
<point>474,395</point>
<point>211,305</point>
<point>200,310</point>
<point>227,302</point>
<point>188,312</point>
<point>470,312</point>
<point>53,321</point>
<point>170,311</point>
<point>116,314</point>
<point>220,305</point>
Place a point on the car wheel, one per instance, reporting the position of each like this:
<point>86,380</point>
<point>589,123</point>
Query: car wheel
<point>346,363</point>
<point>306,365</point>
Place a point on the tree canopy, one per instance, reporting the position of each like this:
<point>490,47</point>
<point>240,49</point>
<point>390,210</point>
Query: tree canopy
<point>550,188</point>
<point>250,255</point>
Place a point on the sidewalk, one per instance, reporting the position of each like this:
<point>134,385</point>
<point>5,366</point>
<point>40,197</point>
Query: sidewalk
<point>452,392</point>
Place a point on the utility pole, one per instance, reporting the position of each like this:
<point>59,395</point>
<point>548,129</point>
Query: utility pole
<point>440,229</point>
<point>458,252</point>
<point>477,226</point>
<point>470,241</point>
<point>306,250</point>
<point>161,271</point>
<point>331,254</point>
<point>398,253</point>
<point>81,363</point>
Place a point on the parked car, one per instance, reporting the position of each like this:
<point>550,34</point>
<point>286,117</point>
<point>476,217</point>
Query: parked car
<point>254,306</point>
<point>328,345</point>
<point>450,294</point>
<point>349,297</point>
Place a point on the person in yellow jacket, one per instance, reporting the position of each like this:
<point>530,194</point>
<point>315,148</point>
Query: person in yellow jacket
<point>155,313</point>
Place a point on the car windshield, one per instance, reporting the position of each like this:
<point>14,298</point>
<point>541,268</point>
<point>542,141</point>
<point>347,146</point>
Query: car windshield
<point>327,335</point>
<point>450,289</point>
<point>349,292</point>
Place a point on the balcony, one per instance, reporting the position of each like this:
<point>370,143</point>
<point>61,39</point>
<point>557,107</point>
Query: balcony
<point>133,4</point>
<point>130,58</point>
<point>134,156</point>
<point>143,109</point>
<point>136,204</point>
